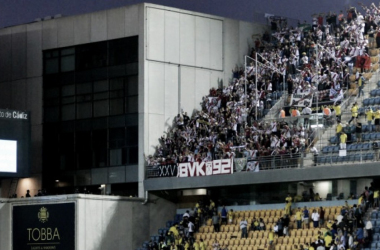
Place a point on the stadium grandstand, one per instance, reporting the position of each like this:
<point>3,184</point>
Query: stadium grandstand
<point>150,127</point>
<point>290,106</point>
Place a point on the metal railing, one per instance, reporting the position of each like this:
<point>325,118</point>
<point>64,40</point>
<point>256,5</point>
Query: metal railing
<point>282,161</point>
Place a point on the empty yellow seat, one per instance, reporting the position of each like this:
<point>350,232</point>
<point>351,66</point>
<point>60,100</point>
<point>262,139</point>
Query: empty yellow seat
<point>302,240</point>
<point>291,241</point>
<point>285,240</point>
<point>296,240</point>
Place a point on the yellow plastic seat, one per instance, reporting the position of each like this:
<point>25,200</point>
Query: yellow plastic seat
<point>247,242</point>
<point>291,241</point>
<point>302,240</point>
<point>250,234</point>
<point>285,241</point>
<point>256,242</point>
<point>278,213</point>
<point>279,240</point>
<point>267,213</point>
<point>261,234</point>
<point>251,214</point>
<point>296,240</point>
<point>266,234</point>
<point>209,222</point>
<point>241,242</point>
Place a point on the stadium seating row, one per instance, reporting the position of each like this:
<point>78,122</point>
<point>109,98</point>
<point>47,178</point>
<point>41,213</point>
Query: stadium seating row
<point>350,147</point>
<point>365,137</point>
<point>348,158</point>
<point>311,232</point>
<point>257,242</point>
<point>371,101</point>
<point>375,92</point>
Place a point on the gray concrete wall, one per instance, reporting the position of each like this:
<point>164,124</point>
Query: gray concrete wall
<point>182,54</point>
<point>102,222</point>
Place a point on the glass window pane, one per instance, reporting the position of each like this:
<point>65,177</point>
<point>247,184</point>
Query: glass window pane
<point>84,88</point>
<point>132,105</point>
<point>131,120</point>
<point>100,157</point>
<point>133,155</point>
<point>99,138</point>
<point>132,136</point>
<point>115,156</point>
<point>51,102</point>
<point>68,112</point>
<point>67,51</point>
<point>132,85</point>
<point>116,94</point>
<point>51,66</point>
<point>91,55</point>
<point>66,142</point>
<point>67,63</point>
<point>132,69</point>
<point>84,98</point>
<point>100,86</point>
<point>83,140</point>
<point>67,161</point>
<point>101,96</point>
<point>51,93</point>
<point>101,108</point>
<point>84,160</point>
<point>117,106</point>
<point>84,110</point>
<point>51,114</point>
<point>68,100</point>
<point>117,134</point>
<point>47,54</point>
<point>117,83</point>
<point>68,90</point>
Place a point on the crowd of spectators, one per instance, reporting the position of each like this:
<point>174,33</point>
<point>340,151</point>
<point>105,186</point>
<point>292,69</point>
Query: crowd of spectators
<point>348,230</point>
<point>304,59</point>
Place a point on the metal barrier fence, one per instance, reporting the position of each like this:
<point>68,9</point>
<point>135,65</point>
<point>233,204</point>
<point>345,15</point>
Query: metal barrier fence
<point>285,161</point>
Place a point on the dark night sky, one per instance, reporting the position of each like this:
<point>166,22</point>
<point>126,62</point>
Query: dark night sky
<point>14,12</point>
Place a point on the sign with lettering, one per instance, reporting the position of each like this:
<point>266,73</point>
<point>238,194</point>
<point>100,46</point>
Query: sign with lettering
<point>44,226</point>
<point>13,114</point>
<point>216,167</point>
<point>167,170</point>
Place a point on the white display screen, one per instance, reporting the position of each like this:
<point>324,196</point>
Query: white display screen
<point>8,156</point>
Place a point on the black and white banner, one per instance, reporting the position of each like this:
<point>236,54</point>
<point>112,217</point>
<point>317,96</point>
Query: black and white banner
<point>253,166</point>
<point>167,170</point>
<point>301,99</point>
